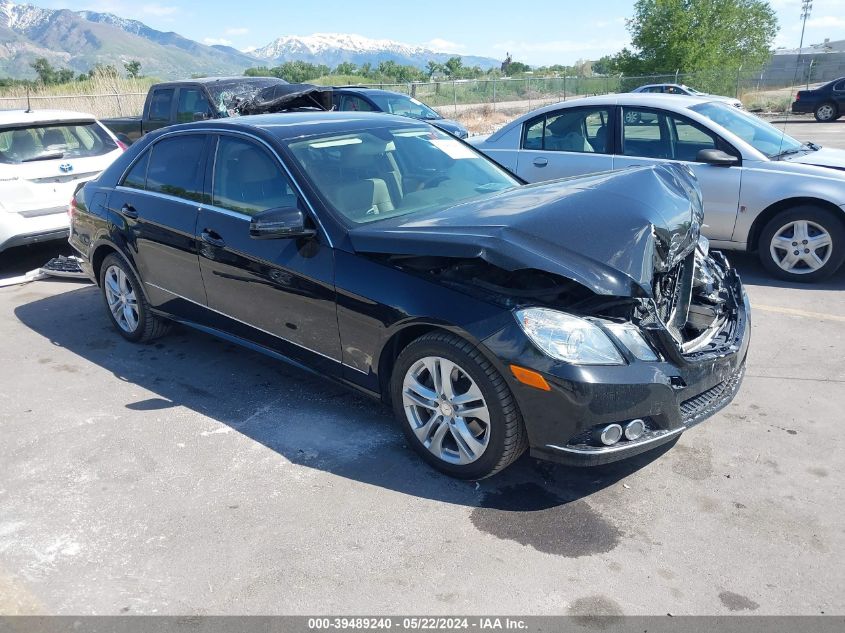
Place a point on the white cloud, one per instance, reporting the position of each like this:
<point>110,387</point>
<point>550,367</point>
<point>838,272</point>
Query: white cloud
<point>238,30</point>
<point>159,10</point>
<point>217,40</point>
<point>444,46</point>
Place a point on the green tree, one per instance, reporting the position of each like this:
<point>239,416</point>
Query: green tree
<point>453,67</point>
<point>433,68</point>
<point>605,65</point>
<point>695,35</point>
<point>133,68</point>
<point>345,68</point>
<point>45,70</point>
<point>516,68</point>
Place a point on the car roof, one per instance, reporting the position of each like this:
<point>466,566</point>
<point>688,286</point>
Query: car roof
<point>16,117</point>
<point>289,125</point>
<point>370,91</point>
<point>213,80</point>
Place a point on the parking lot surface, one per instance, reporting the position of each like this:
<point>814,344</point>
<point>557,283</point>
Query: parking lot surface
<point>192,476</point>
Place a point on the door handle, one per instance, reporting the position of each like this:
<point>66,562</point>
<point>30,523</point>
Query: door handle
<point>128,211</point>
<point>540,162</point>
<point>211,237</point>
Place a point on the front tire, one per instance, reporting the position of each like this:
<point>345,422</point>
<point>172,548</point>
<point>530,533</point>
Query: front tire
<point>455,408</point>
<point>127,307</point>
<point>803,244</point>
<point>826,112</point>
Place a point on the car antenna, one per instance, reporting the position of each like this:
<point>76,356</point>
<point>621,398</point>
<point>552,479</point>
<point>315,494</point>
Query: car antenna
<point>28,104</point>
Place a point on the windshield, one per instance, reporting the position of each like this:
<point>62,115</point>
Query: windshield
<point>71,139</point>
<point>372,174</point>
<point>223,92</point>
<point>404,106</point>
<point>764,137</point>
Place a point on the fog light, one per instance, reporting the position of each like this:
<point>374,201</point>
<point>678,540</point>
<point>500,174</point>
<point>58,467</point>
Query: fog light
<point>634,429</point>
<point>610,434</point>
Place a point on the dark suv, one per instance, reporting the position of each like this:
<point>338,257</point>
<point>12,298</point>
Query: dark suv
<point>353,99</point>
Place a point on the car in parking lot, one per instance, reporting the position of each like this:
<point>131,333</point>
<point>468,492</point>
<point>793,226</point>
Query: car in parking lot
<point>763,190</point>
<point>827,102</point>
<point>681,89</point>
<point>361,99</point>
<point>584,319</point>
<point>44,156</point>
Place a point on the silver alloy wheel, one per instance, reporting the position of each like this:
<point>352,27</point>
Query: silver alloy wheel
<point>825,112</point>
<point>632,117</point>
<point>121,299</point>
<point>800,247</point>
<point>446,410</point>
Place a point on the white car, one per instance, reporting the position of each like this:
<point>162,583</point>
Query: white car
<point>44,155</point>
<point>681,89</point>
<point>763,190</point>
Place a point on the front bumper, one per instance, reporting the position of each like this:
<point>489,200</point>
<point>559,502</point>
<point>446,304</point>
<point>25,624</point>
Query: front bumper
<point>671,395</point>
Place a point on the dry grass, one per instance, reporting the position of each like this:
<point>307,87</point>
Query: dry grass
<point>102,96</point>
<point>483,119</point>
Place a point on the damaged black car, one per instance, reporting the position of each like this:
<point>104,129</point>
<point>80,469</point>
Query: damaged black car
<point>585,319</point>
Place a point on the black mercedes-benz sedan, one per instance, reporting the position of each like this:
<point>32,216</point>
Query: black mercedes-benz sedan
<point>584,319</point>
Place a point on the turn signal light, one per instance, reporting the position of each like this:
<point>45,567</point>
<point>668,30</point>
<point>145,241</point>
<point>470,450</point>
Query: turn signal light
<point>530,377</point>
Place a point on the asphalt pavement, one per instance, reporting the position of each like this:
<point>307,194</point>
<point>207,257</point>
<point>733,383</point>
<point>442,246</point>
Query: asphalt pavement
<point>194,477</point>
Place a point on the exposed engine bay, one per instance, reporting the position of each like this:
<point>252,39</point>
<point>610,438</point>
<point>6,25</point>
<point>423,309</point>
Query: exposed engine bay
<point>691,301</point>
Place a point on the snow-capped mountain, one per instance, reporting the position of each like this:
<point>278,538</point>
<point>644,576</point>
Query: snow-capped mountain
<point>333,48</point>
<point>81,39</point>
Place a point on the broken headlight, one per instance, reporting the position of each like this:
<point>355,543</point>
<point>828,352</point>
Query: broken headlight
<point>568,338</point>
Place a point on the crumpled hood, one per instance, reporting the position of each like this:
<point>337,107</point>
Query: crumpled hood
<point>609,232</point>
<point>824,157</point>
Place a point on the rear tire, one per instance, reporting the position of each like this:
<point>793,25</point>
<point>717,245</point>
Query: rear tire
<point>428,405</point>
<point>826,112</point>
<point>126,305</point>
<point>803,244</point>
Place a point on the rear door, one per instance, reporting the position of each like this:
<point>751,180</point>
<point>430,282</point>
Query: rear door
<point>282,289</point>
<point>652,136</point>
<point>566,142</point>
<point>160,109</point>
<point>159,199</point>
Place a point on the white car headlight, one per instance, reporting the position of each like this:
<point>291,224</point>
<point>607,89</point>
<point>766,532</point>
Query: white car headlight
<point>568,338</point>
<point>631,337</point>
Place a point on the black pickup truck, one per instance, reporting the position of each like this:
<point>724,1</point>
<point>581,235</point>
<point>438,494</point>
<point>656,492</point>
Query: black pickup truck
<point>214,98</point>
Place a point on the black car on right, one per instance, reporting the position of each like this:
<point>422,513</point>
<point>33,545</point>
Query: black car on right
<point>827,102</point>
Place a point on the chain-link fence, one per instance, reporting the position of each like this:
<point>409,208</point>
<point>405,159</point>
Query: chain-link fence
<point>100,105</point>
<point>769,89</point>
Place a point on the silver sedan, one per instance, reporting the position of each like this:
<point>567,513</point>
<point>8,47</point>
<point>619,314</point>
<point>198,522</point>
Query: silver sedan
<point>763,190</point>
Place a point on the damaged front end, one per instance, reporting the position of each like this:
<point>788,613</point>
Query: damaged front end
<point>635,268</point>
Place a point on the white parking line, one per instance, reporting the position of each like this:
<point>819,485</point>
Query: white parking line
<point>800,313</point>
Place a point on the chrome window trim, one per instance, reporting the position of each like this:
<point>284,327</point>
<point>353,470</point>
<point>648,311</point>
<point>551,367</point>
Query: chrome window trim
<point>215,130</point>
<point>281,338</point>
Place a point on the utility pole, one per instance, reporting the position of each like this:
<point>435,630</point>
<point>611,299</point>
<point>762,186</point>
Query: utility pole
<point>806,9</point>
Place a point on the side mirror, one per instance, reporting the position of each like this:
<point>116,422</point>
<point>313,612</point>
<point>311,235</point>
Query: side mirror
<point>716,157</point>
<point>279,223</point>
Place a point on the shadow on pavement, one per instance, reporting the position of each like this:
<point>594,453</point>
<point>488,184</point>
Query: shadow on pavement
<point>752,272</point>
<point>21,259</point>
<point>315,423</point>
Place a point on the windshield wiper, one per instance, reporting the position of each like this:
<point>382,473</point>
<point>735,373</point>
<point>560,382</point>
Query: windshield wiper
<point>49,156</point>
<point>813,146</point>
<point>789,152</point>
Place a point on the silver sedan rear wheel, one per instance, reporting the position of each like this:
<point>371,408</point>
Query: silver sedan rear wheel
<point>446,410</point>
<point>801,247</point>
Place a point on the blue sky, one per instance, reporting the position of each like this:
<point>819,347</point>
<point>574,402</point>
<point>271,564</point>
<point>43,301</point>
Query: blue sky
<point>537,33</point>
